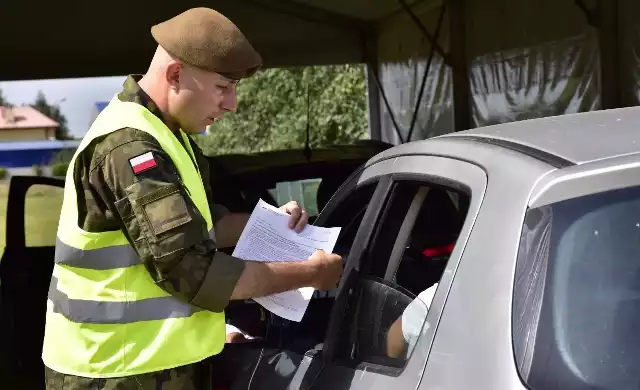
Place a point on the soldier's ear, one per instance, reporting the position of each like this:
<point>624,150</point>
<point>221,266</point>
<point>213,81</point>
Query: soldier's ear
<point>173,74</point>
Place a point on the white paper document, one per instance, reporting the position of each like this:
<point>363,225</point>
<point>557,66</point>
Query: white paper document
<point>267,237</point>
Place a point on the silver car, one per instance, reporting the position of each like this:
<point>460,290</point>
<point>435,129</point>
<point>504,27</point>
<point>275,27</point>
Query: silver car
<point>531,231</point>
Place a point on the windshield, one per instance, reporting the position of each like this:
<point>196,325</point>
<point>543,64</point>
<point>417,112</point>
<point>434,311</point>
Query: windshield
<point>576,317</point>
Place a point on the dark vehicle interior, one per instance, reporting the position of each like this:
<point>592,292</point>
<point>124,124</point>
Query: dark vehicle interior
<point>241,180</point>
<point>436,229</point>
<point>25,271</point>
<point>386,283</point>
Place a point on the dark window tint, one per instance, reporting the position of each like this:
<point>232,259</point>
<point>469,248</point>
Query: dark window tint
<point>576,310</point>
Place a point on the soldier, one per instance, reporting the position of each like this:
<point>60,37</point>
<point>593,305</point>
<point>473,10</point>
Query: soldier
<point>139,287</point>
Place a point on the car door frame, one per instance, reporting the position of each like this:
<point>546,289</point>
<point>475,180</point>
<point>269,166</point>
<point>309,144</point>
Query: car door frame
<point>18,188</point>
<point>29,276</point>
<point>451,172</point>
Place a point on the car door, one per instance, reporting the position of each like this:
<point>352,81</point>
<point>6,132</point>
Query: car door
<point>412,237</point>
<point>272,360</point>
<point>33,209</point>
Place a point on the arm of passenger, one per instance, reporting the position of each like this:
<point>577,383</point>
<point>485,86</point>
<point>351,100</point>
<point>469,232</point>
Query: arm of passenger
<point>404,332</point>
<point>396,344</point>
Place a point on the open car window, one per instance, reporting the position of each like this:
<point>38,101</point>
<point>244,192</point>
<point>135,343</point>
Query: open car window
<point>398,276</point>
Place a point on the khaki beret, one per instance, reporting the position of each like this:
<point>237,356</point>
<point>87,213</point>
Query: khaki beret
<point>206,39</point>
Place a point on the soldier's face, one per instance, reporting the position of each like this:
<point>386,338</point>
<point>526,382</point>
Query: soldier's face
<point>198,98</point>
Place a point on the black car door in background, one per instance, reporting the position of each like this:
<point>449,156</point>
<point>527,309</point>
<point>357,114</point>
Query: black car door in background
<point>33,208</point>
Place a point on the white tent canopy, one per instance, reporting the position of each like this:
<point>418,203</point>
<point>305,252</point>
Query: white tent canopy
<point>494,61</point>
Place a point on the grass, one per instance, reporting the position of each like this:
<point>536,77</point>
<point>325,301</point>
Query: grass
<point>42,210</point>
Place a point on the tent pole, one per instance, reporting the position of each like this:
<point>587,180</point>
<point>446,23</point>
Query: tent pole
<point>369,42</point>
<point>460,70</point>
<point>427,68</point>
<point>609,48</point>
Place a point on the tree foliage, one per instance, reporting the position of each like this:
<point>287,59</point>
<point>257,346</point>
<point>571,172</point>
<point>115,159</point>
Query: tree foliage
<point>272,110</point>
<point>3,100</point>
<point>53,112</point>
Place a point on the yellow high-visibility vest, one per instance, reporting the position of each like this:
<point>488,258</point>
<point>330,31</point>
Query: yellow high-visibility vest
<point>105,315</point>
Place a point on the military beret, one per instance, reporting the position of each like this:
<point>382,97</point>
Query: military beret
<point>206,39</point>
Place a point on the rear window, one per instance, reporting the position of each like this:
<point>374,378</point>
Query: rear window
<point>302,191</point>
<point>576,314</point>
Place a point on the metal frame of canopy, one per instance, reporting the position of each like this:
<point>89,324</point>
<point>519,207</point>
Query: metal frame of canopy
<point>45,40</point>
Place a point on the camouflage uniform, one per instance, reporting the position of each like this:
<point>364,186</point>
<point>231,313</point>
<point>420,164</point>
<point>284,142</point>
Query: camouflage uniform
<point>192,377</point>
<point>179,262</point>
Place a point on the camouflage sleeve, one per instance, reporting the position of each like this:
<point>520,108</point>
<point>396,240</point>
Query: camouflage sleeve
<point>164,225</point>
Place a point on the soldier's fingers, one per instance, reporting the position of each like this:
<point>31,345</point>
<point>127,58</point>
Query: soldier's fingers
<point>302,222</point>
<point>295,211</point>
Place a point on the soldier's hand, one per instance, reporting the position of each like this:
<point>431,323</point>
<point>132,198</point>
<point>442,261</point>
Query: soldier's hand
<point>299,217</point>
<point>328,268</point>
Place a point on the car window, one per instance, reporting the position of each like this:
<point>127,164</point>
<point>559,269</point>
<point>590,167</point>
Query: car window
<point>303,191</point>
<point>576,302</point>
<point>42,213</point>
<point>399,274</point>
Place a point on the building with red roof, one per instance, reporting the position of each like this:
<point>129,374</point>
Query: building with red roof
<point>25,123</point>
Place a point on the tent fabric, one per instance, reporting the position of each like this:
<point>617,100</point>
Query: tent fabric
<point>554,78</point>
<point>402,83</point>
<point>524,59</point>
<point>403,55</point>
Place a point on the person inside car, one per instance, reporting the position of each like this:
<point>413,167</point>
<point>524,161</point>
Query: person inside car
<point>403,333</point>
<point>431,243</point>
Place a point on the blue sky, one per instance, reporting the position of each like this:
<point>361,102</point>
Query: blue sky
<point>76,97</point>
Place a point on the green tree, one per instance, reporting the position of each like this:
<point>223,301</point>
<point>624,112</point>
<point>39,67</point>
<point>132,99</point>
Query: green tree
<point>53,112</point>
<point>272,110</point>
<point>3,100</point>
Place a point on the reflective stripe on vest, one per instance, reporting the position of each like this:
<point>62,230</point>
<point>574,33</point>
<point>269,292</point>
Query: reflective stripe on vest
<point>100,312</point>
<point>105,315</point>
<point>110,257</point>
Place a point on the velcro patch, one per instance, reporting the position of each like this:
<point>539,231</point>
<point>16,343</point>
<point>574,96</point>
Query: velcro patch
<point>142,162</point>
<point>167,213</point>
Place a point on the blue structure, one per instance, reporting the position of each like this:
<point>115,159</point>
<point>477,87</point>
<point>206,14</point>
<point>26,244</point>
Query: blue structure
<point>22,154</point>
<point>101,105</point>
<point>97,109</point>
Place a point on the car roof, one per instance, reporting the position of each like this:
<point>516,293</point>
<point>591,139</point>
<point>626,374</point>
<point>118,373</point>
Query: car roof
<point>575,138</point>
<point>292,159</point>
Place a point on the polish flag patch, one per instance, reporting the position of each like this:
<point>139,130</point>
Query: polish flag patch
<point>142,162</point>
